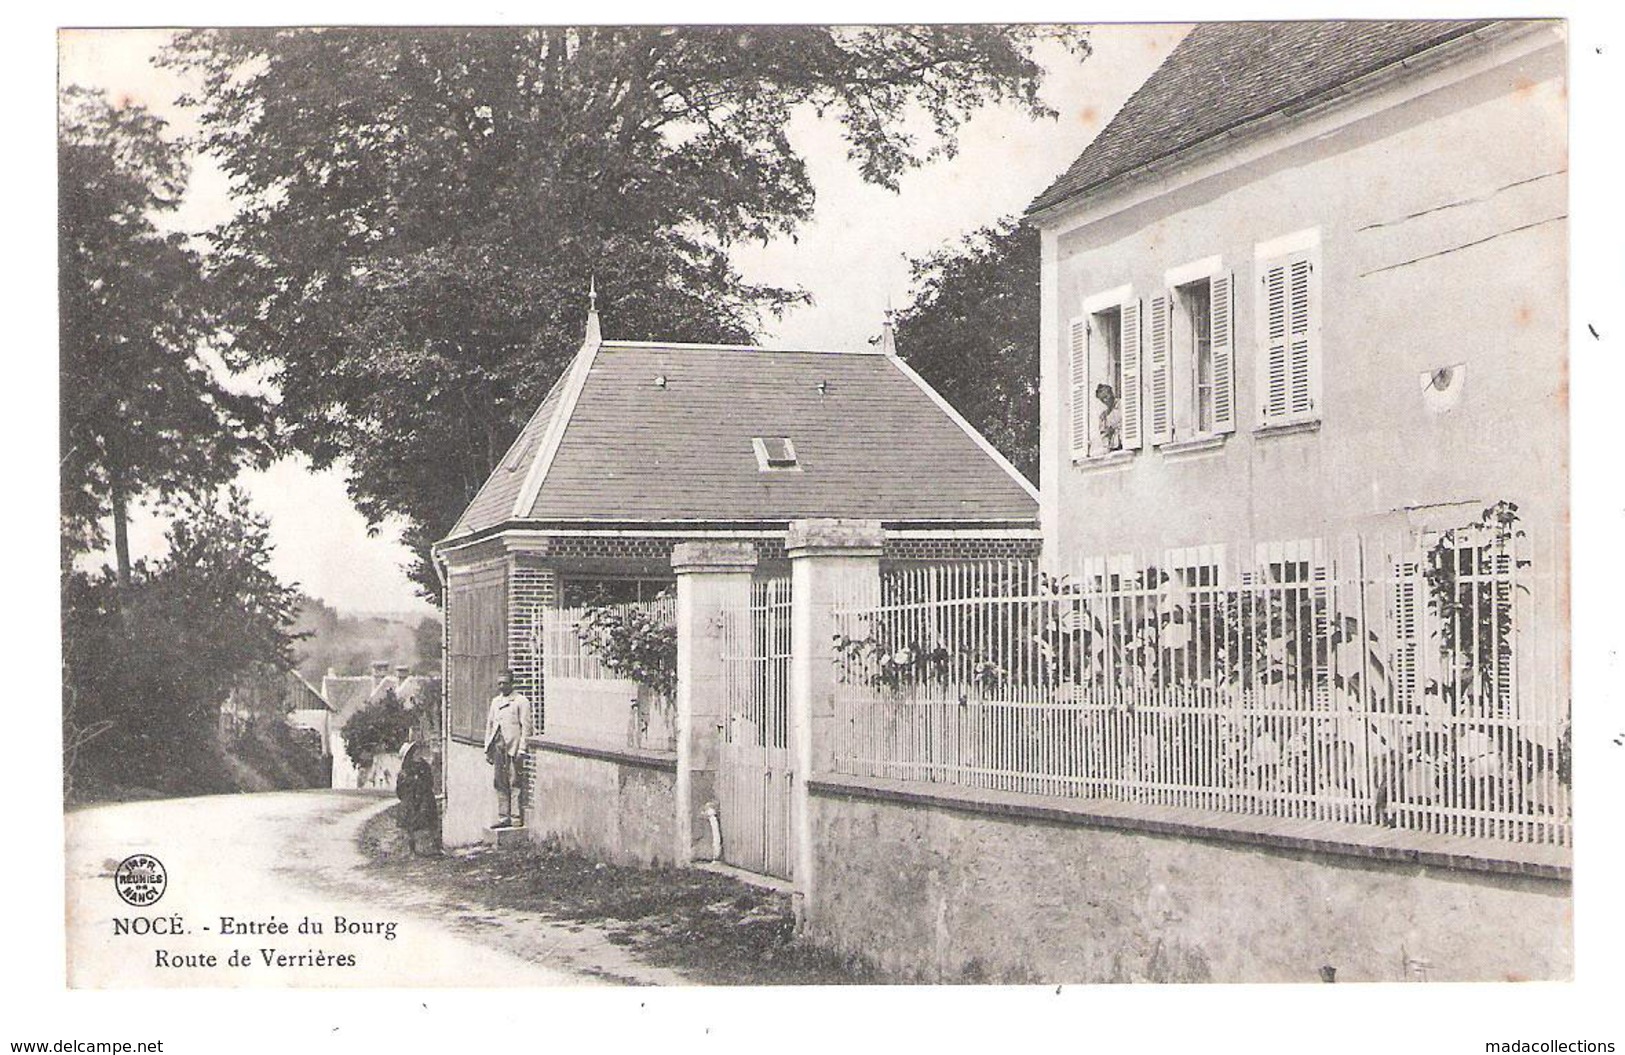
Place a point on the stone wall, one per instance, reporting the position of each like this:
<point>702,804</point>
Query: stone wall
<point>948,894</point>
<point>616,806</point>
<point>470,799</point>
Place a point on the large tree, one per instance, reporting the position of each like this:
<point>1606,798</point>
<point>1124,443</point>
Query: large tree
<point>141,693</point>
<point>972,331</point>
<point>422,209</point>
<point>142,412</point>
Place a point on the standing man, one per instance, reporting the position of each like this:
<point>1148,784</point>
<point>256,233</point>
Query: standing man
<point>507,728</point>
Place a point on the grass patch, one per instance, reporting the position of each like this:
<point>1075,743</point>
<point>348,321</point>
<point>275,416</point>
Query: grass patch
<point>711,928</point>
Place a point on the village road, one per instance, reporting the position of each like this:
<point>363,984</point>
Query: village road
<point>241,868</point>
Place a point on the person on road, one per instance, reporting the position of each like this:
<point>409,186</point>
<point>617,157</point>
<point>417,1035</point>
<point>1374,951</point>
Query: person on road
<point>507,728</point>
<point>420,814</point>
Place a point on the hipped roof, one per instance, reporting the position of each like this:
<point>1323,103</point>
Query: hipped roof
<point>611,442</point>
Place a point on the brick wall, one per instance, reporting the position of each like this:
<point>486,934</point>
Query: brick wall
<point>530,590</point>
<point>956,549</point>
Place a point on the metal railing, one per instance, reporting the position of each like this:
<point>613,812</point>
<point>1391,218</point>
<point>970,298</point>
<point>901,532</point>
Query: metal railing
<point>1417,683</point>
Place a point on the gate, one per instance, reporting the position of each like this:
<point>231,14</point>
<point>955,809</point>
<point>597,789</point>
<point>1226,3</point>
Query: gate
<point>753,774</point>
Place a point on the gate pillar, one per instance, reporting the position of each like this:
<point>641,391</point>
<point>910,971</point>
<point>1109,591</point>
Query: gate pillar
<point>712,578</point>
<point>831,561</point>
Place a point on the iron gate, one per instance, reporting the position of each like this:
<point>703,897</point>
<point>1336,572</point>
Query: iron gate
<point>754,774</point>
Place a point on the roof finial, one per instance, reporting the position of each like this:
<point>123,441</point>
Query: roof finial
<point>888,342</point>
<point>594,334</point>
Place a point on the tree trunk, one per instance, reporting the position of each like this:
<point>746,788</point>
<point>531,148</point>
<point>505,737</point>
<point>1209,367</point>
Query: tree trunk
<point>121,532</point>
<point>121,543</point>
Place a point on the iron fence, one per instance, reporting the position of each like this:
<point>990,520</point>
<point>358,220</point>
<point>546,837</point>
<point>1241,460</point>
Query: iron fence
<point>1417,682</point>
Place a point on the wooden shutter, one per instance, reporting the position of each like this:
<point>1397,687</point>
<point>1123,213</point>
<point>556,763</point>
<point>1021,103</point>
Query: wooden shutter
<point>1078,374</point>
<point>1273,363</point>
<point>1221,330</point>
<point>1289,368</point>
<point>1130,345</point>
<point>1159,397</point>
<point>1300,389</point>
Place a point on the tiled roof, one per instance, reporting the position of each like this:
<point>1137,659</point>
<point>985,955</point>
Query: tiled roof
<point>1225,74</point>
<point>496,496</point>
<point>872,444</point>
<point>346,694</point>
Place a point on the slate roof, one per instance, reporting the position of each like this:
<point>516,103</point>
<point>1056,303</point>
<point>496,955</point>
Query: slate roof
<point>496,496</point>
<point>874,444</point>
<point>1225,74</point>
<point>346,694</point>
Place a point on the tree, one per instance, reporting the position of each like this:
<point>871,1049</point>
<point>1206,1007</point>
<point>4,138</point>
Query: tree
<point>378,728</point>
<point>207,613</point>
<point>141,411</point>
<point>972,331</point>
<point>422,209</point>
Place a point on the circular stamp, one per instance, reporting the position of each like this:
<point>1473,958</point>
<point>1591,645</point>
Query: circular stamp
<point>140,880</point>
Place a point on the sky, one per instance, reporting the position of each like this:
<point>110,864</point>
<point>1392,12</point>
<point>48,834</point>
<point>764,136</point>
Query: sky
<point>852,257</point>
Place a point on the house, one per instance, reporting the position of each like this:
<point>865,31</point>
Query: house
<point>269,693</point>
<point>1310,280</point>
<point>642,446</point>
<point>309,711</point>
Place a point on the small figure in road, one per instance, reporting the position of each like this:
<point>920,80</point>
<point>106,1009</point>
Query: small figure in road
<point>420,814</point>
<point>507,728</point>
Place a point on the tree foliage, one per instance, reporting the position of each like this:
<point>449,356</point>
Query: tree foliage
<point>423,208</point>
<point>207,613</point>
<point>972,331</point>
<point>141,412</point>
<point>378,728</point>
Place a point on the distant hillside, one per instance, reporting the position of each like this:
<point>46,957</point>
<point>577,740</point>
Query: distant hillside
<point>349,643</point>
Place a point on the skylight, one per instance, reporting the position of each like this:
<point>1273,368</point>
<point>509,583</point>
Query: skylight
<point>775,454</point>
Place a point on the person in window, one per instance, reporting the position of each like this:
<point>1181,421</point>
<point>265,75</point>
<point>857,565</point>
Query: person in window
<point>507,728</point>
<point>1111,419</point>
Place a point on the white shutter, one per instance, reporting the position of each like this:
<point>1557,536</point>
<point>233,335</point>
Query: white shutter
<point>1130,403</point>
<point>1078,372</point>
<point>1222,306</point>
<point>1289,370</point>
<point>1300,388</point>
<point>1159,397</point>
<point>1273,380</point>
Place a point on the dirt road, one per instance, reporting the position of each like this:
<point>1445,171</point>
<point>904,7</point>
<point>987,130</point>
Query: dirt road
<point>250,878</point>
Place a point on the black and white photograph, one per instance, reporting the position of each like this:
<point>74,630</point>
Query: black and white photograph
<point>1111,510</point>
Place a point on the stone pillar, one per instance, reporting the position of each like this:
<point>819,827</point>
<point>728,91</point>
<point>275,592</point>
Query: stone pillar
<point>712,578</point>
<point>831,561</point>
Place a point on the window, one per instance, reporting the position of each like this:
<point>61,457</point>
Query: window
<point>1289,330</point>
<point>1106,377</point>
<point>578,592</point>
<point>775,454</point>
<point>1195,634</point>
<point>1104,363</point>
<point>1190,360</point>
<point>1293,599</point>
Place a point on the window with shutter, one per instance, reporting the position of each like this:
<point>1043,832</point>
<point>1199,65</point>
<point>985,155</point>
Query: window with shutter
<point>1222,354</point>
<point>1289,323</point>
<point>1159,390</point>
<point>1130,341</point>
<point>1078,372</point>
<point>1199,386</point>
